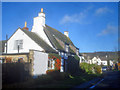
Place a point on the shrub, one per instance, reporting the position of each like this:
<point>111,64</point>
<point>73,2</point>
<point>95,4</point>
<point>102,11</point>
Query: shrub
<point>84,67</point>
<point>98,69</point>
<point>49,71</point>
<point>90,68</point>
<point>57,59</point>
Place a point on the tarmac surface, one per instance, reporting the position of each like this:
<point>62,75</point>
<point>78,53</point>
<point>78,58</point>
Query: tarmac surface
<point>110,79</point>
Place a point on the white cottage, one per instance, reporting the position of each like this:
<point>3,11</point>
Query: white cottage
<point>42,39</point>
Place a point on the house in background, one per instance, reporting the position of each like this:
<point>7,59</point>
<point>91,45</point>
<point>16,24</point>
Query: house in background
<point>104,62</point>
<point>93,58</point>
<point>34,46</point>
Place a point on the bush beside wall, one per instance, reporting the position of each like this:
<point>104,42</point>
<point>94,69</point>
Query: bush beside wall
<point>90,68</point>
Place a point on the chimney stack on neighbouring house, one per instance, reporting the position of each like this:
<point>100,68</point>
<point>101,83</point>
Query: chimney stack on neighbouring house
<point>66,33</point>
<point>25,28</point>
<point>42,10</point>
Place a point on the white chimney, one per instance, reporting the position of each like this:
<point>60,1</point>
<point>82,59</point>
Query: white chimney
<point>39,25</point>
<point>39,20</point>
<point>66,33</point>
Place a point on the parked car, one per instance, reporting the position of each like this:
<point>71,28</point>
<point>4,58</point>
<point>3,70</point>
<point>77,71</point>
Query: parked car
<point>104,68</point>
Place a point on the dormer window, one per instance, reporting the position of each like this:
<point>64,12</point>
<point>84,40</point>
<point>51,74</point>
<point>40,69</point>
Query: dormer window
<point>66,47</point>
<point>77,51</point>
<point>62,54</point>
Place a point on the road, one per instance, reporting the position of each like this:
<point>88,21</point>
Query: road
<point>110,80</point>
<point>0,76</point>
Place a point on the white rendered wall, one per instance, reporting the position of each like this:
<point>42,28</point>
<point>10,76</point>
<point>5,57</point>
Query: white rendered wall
<point>99,61</point>
<point>40,63</point>
<point>80,59</point>
<point>38,27</point>
<point>28,43</point>
<point>104,62</point>
<point>90,61</point>
<point>94,60</point>
<point>111,63</point>
<point>62,65</point>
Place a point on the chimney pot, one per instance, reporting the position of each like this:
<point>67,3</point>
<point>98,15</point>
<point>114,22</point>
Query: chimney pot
<point>25,28</point>
<point>66,33</point>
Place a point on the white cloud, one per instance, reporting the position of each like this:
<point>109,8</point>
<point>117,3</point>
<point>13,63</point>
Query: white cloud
<point>102,10</point>
<point>110,29</point>
<point>76,18</point>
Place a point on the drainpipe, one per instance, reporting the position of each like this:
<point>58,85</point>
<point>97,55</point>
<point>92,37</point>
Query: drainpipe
<point>18,48</point>
<point>6,42</point>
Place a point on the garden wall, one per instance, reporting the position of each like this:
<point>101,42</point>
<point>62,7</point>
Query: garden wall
<point>15,72</point>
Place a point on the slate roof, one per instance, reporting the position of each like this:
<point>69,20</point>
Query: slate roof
<point>2,45</point>
<point>52,39</point>
<point>101,55</point>
<point>39,41</point>
<point>59,35</point>
<point>52,33</point>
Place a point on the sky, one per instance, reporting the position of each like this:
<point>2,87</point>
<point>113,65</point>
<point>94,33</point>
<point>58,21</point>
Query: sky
<point>92,26</point>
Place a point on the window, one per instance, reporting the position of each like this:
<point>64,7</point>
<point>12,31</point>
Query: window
<point>67,47</point>
<point>18,43</point>
<point>77,51</point>
<point>51,63</point>
<point>62,54</point>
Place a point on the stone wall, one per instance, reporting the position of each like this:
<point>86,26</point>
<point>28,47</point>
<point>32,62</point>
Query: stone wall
<point>37,59</point>
<point>14,58</point>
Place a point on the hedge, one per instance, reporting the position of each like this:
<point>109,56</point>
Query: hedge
<point>90,68</point>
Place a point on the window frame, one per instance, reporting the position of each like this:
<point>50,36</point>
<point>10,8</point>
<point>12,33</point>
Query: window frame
<point>18,43</point>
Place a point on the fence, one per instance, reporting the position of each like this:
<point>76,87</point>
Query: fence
<point>72,65</point>
<point>15,72</point>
